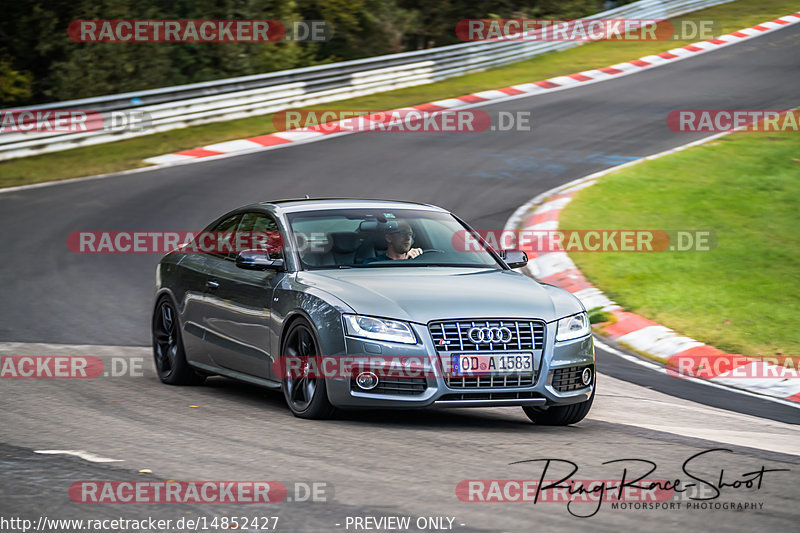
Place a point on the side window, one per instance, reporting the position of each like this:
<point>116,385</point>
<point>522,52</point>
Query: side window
<point>225,238</point>
<point>263,233</point>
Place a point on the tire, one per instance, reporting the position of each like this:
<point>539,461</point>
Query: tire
<point>560,415</point>
<point>168,352</point>
<point>306,397</point>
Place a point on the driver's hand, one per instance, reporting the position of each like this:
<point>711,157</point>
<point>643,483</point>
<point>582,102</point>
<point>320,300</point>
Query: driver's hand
<point>414,252</point>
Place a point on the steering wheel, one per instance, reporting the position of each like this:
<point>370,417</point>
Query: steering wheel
<point>430,251</point>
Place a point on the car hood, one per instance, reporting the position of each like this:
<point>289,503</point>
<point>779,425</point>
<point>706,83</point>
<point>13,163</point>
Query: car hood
<point>422,294</point>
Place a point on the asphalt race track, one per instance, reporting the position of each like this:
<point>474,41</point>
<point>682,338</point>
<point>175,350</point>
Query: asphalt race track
<point>376,463</point>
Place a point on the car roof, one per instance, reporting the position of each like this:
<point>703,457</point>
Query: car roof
<point>293,205</point>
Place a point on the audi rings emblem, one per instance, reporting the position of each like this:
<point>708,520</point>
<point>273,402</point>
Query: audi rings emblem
<point>488,335</point>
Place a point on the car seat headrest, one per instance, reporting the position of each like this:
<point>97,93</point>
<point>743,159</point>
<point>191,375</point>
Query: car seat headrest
<point>345,242</point>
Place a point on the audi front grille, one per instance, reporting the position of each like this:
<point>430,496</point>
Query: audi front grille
<point>452,337</point>
<point>523,395</point>
<point>491,381</point>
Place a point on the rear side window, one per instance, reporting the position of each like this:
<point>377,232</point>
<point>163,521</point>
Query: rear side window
<point>225,234</point>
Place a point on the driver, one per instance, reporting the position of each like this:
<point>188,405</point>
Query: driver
<point>399,237</point>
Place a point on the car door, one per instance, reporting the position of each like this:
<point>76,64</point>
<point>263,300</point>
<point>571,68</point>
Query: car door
<point>190,288</point>
<point>238,305</point>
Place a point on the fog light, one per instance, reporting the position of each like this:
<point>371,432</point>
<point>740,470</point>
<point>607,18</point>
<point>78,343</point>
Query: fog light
<point>586,376</point>
<point>367,381</point>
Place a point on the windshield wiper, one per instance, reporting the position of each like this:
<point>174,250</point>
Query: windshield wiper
<point>459,265</point>
<point>409,263</point>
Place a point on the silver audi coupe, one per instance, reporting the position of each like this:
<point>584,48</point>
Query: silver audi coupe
<point>354,303</point>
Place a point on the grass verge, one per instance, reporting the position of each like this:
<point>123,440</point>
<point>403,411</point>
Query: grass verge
<point>742,296</point>
<point>128,154</point>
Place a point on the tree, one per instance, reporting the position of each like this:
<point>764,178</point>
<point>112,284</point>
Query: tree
<point>15,86</point>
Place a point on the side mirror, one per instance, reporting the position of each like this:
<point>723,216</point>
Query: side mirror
<point>257,260</point>
<point>514,258</point>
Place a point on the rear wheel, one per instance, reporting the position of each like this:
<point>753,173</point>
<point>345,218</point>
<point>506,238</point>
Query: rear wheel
<point>306,396</point>
<point>560,415</point>
<point>168,352</point>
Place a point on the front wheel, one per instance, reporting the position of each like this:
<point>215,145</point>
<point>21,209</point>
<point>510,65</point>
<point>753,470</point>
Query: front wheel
<point>560,415</point>
<point>305,395</point>
<point>168,352</point>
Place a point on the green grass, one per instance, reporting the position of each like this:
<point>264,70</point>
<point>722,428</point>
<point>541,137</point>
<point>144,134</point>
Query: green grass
<point>122,155</point>
<point>742,296</point>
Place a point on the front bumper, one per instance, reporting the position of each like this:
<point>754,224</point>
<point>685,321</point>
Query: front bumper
<point>558,360</point>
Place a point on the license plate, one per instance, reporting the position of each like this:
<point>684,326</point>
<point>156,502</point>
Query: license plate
<point>516,363</point>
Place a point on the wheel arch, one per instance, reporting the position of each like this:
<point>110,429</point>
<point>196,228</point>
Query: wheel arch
<point>165,292</point>
<point>292,317</point>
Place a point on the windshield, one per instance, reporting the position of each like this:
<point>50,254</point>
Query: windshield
<point>383,238</point>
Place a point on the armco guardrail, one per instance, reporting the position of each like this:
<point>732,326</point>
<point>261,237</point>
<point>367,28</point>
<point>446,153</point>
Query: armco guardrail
<point>233,98</point>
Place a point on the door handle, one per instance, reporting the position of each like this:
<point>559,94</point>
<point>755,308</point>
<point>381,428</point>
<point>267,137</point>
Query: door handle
<point>212,284</point>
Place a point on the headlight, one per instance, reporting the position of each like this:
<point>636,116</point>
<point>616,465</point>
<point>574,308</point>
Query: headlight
<point>573,327</point>
<point>379,329</point>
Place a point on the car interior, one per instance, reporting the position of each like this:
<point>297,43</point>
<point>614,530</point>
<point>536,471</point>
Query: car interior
<point>348,248</point>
